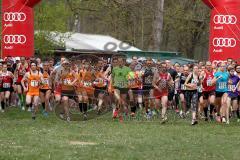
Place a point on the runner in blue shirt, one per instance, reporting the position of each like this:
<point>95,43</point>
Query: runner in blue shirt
<point>221,80</point>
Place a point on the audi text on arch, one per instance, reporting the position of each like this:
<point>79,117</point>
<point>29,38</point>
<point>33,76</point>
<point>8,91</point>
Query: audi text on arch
<point>14,17</point>
<point>14,39</point>
<point>224,42</point>
<point>225,19</point>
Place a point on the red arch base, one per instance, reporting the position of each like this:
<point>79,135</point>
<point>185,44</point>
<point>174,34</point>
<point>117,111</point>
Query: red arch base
<point>18,27</point>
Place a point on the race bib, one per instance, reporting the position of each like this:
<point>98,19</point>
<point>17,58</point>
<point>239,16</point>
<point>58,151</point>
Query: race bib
<point>183,87</point>
<point>209,82</point>
<point>87,84</point>
<point>6,85</point>
<point>34,83</point>
<point>131,82</point>
<point>66,81</point>
<point>231,87</point>
<point>121,84</point>
<point>148,80</point>
<point>222,85</point>
<point>45,81</point>
<point>199,89</point>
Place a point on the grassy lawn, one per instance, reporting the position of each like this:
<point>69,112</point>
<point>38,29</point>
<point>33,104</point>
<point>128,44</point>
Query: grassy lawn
<point>51,138</point>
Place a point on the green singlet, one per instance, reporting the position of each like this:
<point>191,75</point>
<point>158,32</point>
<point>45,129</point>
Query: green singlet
<point>120,76</point>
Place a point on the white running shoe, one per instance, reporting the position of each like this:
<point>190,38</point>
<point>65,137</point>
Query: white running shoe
<point>224,120</point>
<point>29,109</point>
<point>23,108</point>
<point>227,122</point>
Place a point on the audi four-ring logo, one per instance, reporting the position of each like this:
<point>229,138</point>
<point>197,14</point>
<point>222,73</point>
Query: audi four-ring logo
<point>15,39</point>
<point>225,19</point>
<point>224,42</point>
<point>14,17</point>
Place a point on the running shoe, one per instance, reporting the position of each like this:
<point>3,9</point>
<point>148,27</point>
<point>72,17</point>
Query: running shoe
<point>61,115</point>
<point>228,122</point>
<point>224,120</point>
<point>133,114</point>
<point>84,116</point>
<point>115,113</point>
<point>2,110</point>
<point>23,108</point>
<point>238,120</point>
<point>194,122</point>
<point>45,114</point>
<point>29,109</point>
<point>68,119</point>
<point>33,116</point>
<point>164,120</point>
<point>121,119</point>
<point>182,114</point>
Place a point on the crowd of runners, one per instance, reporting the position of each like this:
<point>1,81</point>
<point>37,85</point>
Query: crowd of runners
<point>208,91</point>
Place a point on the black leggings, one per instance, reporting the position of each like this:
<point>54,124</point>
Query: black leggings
<point>192,98</point>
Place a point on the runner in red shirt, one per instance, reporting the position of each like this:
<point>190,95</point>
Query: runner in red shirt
<point>161,82</point>
<point>208,90</point>
<point>7,85</point>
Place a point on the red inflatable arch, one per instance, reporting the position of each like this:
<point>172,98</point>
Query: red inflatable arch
<point>224,41</point>
<point>18,27</point>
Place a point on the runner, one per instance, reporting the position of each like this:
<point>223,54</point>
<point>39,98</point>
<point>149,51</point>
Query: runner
<point>147,79</point>
<point>221,81</point>
<point>100,84</point>
<point>192,82</point>
<point>237,111</point>
<point>206,78</point>
<point>34,78</point>
<point>45,90</point>
<point>85,87</point>
<point>120,83</point>
<point>162,81</point>
<point>173,74</point>
<point>20,71</point>
<point>232,99</point>
<point>2,108</point>
<point>7,86</point>
<point>182,90</point>
<point>67,79</point>
<point>135,84</point>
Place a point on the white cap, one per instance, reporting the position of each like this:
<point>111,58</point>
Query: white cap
<point>17,58</point>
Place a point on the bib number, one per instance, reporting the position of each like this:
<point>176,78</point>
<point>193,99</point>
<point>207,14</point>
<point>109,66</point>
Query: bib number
<point>121,84</point>
<point>183,87</point>
<point>222,85</point>
<point>6,85</point>
<point>87,84</point>
<point>231,87</point>
<point>45,81</point>
<point>66,81</point>
<point>34,83</point>
<point>209,83</point>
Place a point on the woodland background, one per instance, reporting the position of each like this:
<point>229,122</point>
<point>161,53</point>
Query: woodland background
<point>154,25</point>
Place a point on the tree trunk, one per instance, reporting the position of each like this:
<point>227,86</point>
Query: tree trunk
<point>158,25</point>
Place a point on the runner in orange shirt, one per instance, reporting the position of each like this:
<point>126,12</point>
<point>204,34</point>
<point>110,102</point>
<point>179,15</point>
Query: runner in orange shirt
<point>45,90</point>
<point>34,79</point>
<point>67,80</point>
<point>85,87</point>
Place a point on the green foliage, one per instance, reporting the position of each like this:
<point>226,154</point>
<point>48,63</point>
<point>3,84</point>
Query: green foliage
<point>185,25</point>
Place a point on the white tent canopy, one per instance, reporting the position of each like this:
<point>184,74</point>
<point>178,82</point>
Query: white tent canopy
<point>80,41</point>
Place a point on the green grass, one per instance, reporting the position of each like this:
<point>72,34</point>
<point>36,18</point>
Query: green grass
<point>50,138</point>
